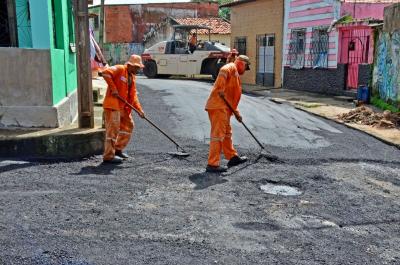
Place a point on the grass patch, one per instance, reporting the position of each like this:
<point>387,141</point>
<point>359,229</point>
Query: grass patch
<point>381,104</point>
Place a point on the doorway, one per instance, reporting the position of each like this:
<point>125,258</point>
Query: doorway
<point>265,75</point>
<point>5,38</point>
<point>354,44</point>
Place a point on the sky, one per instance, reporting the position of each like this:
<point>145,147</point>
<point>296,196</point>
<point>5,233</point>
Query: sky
<point>121,2</point>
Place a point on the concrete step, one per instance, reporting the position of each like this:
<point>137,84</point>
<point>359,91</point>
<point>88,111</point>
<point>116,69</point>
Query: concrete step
<point>67,144</point>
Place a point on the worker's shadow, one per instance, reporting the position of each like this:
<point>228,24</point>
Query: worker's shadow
<point>14,167</point>
<point>206,180</point>
<point>101,169</point>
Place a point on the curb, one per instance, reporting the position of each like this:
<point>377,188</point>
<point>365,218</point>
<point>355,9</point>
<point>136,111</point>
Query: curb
<point>349,126</point>
<point>326,118</point>
<point>72,145</point>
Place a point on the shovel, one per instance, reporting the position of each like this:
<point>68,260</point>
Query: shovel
<point>181,153</point>
<point>264,153</point>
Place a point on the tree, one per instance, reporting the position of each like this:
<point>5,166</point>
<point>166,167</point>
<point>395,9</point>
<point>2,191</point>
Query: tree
<point>224,12</point>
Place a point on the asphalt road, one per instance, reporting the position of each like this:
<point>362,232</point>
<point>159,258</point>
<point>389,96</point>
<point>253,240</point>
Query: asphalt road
<point>343,205</point>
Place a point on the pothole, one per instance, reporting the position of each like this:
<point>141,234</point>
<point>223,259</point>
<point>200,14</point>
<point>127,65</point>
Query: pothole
<point>283,190</point>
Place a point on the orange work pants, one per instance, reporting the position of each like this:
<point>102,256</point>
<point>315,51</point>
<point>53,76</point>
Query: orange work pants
<point>221,136</point>
<point>119,126</point>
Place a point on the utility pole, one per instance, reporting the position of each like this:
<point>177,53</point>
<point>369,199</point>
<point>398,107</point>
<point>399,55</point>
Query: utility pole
<point>85,93</point>
<point>101,28</point>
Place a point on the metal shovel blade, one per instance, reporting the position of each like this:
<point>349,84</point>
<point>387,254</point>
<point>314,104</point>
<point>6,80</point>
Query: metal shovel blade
<point>270,157</point>
<point>179,154</point>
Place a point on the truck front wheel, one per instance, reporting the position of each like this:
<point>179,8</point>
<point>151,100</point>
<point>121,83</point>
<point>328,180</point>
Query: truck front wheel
<point>150,69</point>
<point>216,70</point>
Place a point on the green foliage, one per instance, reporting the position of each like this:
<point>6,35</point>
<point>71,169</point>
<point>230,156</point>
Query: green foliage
<point>345,19</point>
<point>225,12</point>
<point>380,103</point>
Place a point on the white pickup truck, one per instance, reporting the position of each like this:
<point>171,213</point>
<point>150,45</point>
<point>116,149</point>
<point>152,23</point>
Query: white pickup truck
<point>174,57</point>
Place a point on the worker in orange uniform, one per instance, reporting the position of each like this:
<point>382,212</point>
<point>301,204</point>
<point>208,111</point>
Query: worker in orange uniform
<point>228,86</point>
<point>117,115</point>
<point>193,42</point>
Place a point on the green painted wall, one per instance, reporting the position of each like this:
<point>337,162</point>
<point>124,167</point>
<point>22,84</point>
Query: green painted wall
<point>50,25</point>
<point>23,24</point>
<point>58,75</point>
<point>56,52</point>
<point>63,60</point>
<point>62,53</point>
<point>70,57</point>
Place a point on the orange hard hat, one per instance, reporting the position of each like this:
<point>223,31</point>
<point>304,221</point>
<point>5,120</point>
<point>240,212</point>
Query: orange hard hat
<point>135,60</point>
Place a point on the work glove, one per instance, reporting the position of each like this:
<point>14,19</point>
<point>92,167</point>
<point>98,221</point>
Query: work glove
<point>114,93</point>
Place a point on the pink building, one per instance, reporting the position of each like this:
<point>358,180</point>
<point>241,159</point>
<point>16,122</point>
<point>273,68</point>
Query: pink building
<point>327,42</point>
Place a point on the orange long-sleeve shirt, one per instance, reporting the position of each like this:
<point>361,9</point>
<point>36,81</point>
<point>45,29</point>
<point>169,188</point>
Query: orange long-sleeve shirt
<point>228,81</point>
<point>117,80</point>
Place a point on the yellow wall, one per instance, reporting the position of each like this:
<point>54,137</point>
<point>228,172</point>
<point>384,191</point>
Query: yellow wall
<point>222,38</point>
<point>254,18</point>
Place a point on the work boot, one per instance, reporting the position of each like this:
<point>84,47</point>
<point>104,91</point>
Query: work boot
<point>216,169</point>
<point>115,160</point>
<point>121,154</point>
<point>237,160</point>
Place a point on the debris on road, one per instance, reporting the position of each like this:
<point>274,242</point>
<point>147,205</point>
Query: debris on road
<point>366,116</point>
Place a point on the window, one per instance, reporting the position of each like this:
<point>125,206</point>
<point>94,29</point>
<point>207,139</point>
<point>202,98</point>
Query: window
<point>319,48</point>
<point>240,45</point>
<point>297,48</point>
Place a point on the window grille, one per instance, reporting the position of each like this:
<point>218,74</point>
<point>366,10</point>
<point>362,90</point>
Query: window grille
<point>240,45</point>
<point>319,48</point>
<point>297,48</point>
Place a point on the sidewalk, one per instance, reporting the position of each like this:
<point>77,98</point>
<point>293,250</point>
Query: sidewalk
<point>328,107</point>
<point>69,142</point>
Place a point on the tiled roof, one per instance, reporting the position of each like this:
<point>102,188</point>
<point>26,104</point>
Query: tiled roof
<point>217,25</point>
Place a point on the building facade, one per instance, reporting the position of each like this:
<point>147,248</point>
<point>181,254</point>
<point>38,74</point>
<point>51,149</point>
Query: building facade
<point>126,25</point>
<point>386,73</point>
<point>256,31</point>
<point>38,78</point>
<point>329,44</point>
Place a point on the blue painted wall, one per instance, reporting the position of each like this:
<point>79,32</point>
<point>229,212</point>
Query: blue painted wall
<point>387,66</point>
<point>22,11</point>
<point>41,22</point>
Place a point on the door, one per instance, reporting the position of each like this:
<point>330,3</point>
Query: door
<point>8,30</point>
<point>355,44</point>
<point>265,75</point>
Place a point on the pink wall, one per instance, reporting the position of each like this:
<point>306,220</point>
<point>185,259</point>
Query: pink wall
<point>364,10</point>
